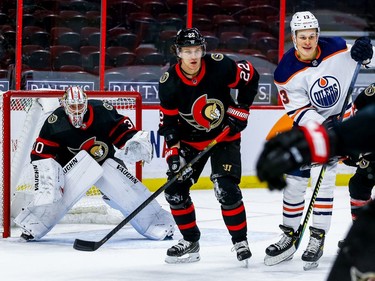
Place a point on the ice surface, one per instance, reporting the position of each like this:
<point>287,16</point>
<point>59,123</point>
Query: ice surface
<point>128,256</point>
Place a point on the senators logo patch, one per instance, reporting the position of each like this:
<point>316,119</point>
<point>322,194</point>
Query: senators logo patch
<point>52,118</point>
<point>97,149</point>
<point>370,90</point>
<point>217,57</point>
<point>107,106</point>
<point>164,77</point>
<point>206,114</point>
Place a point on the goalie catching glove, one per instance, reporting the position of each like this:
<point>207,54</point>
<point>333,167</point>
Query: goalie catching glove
<point>290,150</point>
<point>176,160</point>
<point>138,148</point>
<point>237,118</point>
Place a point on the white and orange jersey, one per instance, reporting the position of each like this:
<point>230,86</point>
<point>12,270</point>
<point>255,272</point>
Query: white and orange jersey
<point>316,90</point>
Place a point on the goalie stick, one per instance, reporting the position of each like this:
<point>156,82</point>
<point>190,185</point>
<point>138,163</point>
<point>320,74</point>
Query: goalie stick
<point>302,227</point>
<point>90,246</point>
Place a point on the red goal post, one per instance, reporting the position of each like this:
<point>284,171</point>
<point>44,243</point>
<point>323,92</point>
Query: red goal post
<point>16,107</point>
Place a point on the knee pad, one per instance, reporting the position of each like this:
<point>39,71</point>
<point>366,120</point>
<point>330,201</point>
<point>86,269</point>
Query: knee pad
<point>227,191</point>
<point>178,192</point>
<point>182,205</point>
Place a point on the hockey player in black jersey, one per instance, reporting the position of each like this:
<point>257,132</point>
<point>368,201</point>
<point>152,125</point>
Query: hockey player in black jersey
<point>315,143</point>
<point>82,143</point>
<point>363,180</point>
<point>195,105</point>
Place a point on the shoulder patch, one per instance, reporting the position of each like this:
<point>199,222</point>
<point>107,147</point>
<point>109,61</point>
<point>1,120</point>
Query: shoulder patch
<point>370,90</point>
<point>52,118</point>
<point>217,57</point>
<point>107,106</point>
<point>164,77</point>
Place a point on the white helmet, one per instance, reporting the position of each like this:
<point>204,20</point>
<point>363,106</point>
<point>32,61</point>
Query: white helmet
<point>75,105</point>
<point>303,20</point>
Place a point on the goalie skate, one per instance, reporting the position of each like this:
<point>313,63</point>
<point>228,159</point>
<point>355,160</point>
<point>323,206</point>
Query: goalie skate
<point>282,250</point>
<point>183,252</point>
<point>314,249</point>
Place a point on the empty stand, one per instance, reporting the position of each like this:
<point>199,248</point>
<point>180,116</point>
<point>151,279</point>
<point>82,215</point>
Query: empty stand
<point>233,41</point>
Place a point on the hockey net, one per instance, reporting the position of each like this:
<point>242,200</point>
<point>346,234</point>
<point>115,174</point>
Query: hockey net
<point>22,115</point>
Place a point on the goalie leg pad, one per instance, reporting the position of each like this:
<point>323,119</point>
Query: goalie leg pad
<point>80,174</point>
<point>127,193</point>
<point>48,181</point>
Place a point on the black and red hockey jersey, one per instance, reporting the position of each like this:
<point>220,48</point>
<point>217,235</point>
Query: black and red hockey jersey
<point>103,128</point>
<point>194,109</point>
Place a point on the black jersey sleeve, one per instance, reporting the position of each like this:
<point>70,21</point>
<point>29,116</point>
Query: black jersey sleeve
<point>355,135</point>
<point>169,113</point>
<point>119,128</point>
<point>366,97</point>
<point>242,76</point>
<point>248,81</point>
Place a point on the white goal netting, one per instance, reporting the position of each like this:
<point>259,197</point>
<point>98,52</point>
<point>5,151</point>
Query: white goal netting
<point>23,114</point>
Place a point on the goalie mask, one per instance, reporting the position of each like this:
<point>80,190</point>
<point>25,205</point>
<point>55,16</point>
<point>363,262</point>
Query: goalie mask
<point>75,105</point>
<point>301,21</point>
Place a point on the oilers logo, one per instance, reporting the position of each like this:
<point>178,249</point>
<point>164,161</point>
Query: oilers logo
<point>206,114</point>
<point>325,92</point>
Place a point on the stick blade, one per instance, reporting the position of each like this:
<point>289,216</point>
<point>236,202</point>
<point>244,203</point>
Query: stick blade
<point>83,245</point>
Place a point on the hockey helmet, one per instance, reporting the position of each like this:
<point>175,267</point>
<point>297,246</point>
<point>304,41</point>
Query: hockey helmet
<point>75,105</point>
<point>189,37</point>
<point>303,20</point>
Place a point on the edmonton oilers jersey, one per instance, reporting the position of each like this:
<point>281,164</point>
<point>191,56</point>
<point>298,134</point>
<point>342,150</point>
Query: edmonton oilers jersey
<point>316,90</point>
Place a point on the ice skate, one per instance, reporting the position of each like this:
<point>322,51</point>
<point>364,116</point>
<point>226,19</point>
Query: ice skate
<point>183,252</point>
<point>243,252</point>
<point>25,236</point>
<point>314,249</point>
<point>282,250</point>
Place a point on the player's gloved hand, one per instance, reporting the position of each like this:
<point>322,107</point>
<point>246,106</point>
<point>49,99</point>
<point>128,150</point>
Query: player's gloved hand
<point>350,161</point>
<point>138,148</point>
<point>362,50</point>
<point>176,161</point>
<point>290,150</point>
<point>237,118</point>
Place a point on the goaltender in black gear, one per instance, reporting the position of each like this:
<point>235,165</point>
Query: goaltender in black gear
<point>80,133</point>
<point>195,105</point>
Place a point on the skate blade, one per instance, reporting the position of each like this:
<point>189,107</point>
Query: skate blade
<point>286,256</point>
<point>245,263</point>
<point>310,265</point>
<point>188,258</point>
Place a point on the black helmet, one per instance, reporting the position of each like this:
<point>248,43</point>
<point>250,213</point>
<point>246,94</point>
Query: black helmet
<point>189,37</point>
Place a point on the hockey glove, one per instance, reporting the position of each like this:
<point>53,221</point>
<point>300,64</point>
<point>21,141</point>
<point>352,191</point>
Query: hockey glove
<point>362,50</point>
<point>175,159</point>
<point>237,118</point>
<point>290,150</point>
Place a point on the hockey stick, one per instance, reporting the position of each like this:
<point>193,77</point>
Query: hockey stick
<point>90,246</point>
<point>302,227</point>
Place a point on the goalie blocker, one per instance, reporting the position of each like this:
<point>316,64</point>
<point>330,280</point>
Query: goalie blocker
<point>44,209</point>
